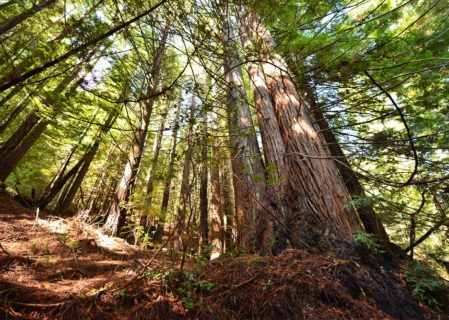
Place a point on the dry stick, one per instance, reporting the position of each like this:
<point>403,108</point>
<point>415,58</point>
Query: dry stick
<point>239,285</point>
<point>3,249</point>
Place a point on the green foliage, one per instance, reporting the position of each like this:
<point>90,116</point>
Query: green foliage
<point>424,281</point>
<point>192,290</point>
<point>34,249</point>
<point>368,240</point>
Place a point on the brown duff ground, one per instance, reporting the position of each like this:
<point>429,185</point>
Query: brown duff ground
<point>64,269</point>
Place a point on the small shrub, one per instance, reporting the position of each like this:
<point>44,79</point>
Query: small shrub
<point>424,281</point>
<point>368,240</point>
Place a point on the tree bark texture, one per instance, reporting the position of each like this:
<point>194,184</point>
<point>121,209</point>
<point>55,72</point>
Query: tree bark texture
<point>314,198</point>
<point>247,166</point>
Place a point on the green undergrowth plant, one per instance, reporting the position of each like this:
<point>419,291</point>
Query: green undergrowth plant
<point>188,285</point>
<point>367,240</point>
<point>138,232</point>
<point>424,282</point>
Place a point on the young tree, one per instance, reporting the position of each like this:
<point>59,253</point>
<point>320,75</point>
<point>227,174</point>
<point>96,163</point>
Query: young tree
<point>116,216</point>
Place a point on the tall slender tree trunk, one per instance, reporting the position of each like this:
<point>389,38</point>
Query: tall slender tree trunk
<point>228,206</point>
<point>247,166</point>
<point>12,115</point>
<point>171,165</point>
<point>15,148</point>
<point>11,23</point>
<point>116,216</point>
<point>216,210</point>
<point>50,192</point>
<point>204,175</point>
<point>59,183</point>
<point>19,135</point>
<point>64,203</point>
<point>11,94</point>
<point>315,200</point>
<point>186,186</point>
<point>101,186</point>
<point>152,172</point>
<point>11,160</point>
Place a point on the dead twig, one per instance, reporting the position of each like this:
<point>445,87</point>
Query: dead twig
<point>3,249</point>
<point>239,285</point>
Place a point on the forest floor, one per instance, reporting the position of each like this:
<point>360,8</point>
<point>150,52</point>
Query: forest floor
<point>57,268</point>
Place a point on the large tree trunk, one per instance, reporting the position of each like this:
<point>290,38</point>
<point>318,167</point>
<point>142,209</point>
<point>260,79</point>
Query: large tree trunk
<point>11,23</point>
<point>315,200</point>
<point>116,216</point>
<point>247,165</point>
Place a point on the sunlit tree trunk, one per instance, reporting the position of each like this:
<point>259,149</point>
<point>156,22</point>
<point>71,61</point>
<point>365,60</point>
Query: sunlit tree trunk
<point>247,165</point>
<point>315,200</point>
<point>116,216</point>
